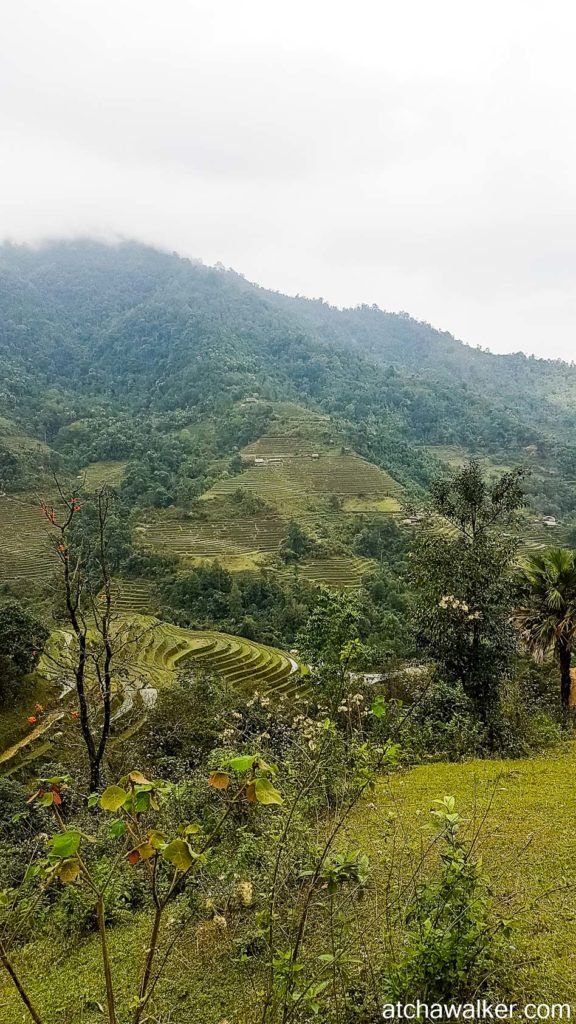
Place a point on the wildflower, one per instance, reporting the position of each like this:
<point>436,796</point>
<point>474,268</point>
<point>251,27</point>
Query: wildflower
<point>31,719</point>
<point>74,714</point>
<point>39,707</point>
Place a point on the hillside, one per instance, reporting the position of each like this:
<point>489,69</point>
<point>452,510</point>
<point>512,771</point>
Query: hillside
<point>92,323</point>
<point>261,573</point>
<point>223,413</point>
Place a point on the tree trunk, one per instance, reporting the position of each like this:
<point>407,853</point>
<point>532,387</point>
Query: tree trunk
<point>565,658</point>
<point>94,775</point>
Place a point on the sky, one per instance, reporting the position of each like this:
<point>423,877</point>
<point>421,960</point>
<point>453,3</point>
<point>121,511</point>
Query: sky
<point>419,154</point>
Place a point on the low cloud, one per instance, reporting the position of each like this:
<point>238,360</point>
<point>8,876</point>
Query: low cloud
<point>418,156</point>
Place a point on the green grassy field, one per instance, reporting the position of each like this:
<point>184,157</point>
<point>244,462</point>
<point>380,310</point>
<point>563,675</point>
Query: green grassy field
<point>525,814</point>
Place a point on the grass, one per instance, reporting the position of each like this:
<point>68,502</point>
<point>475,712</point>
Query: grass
<point>32,690</point>
<point>15,440</point>
<point>526,814</point>
<point>528,844</point>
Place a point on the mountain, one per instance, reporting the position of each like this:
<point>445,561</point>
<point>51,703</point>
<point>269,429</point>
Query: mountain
<point>111,351</point>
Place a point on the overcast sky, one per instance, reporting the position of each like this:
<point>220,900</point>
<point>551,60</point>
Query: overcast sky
<point>420,154</point>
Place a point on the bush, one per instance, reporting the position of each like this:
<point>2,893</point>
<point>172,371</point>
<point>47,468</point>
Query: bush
<point>455,940</point>
<point>443,725</point>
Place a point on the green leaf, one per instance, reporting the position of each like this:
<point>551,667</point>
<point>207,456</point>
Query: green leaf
<point>113,798</point>
<point>117,829</point>
<point>193,829</point>
<point>157,839</point>
<point>66,844</point>
<point>46,800</point>
<point>93,800</point>
<point>142,802</point>
<point>243,763</point>
<point>179,854</point>
<point>378,708</point>
<point>266,793</point>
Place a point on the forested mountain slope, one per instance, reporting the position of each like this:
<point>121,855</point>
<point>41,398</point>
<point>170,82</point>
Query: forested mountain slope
<point>113,351</point>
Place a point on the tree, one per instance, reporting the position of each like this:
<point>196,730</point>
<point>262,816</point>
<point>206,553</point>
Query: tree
<point>22,638</point>
<point>84,559</point>
<point>297,544</point>
<point>462,571</point>
<point>547,620</point>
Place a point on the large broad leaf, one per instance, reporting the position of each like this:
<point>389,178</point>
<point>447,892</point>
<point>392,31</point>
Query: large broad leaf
<point>142,801</point>
<point>157,839</point>
<point>66,844</point>
<point>179,854</point>
<point>244,763</point>
<point>113,798</point>
<point>265,792</point>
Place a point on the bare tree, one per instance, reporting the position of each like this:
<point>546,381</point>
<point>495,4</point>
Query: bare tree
<point>88,599</point>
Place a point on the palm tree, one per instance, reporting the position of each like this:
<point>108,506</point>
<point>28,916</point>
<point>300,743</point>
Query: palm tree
<point>548,619</point>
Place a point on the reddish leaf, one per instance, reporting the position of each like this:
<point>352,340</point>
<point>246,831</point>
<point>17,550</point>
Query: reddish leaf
<point>219,780</point>
<point>133,857</point>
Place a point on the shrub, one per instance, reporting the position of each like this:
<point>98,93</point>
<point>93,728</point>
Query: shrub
<point>455,940</point>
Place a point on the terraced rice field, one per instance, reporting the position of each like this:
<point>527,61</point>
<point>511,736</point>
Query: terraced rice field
<point>283,446</point>
<point>134,596</point>
<point>25,550</point>
<point>221,536</point>
<point>293,481</point>
<point>538,536</point>
<point>166,649</point>
<point>154,653</point>
<point>97,474</point>
<point>337,573</point>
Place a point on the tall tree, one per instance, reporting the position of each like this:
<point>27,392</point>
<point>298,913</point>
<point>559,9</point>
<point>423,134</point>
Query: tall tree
<point>462,571</point>
<point>547,619</point>
<point>86,583</point>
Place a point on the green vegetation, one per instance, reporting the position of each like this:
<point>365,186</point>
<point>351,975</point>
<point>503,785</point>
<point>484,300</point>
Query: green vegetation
<point>266,567</point>
<point>548,620</point>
